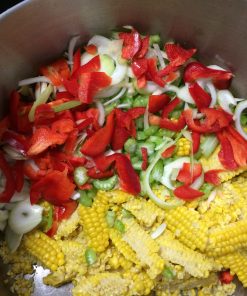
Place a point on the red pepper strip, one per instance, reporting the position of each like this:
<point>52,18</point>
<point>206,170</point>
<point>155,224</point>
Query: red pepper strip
<point>66,210</point>
<point>187,176</point>
<point>168,152</point>
<point>14,108</point>
<point>154,119</point>
<point>196,70</point>
<point>225,155</point>
<point>4,125</point>
<point>157,102</point>
<point>92,173</point>
<point>76,161</point>
<point>63,126</point>
<point>72,86</point>
<point>81,126</point>
<point>86,186</point>
<point>136,112</point>
<point>212,177</point>
<point>90,84</point>
<point>91,49</point>
<point>152,72</point>
<point>92,66</point>
<point>170,107</point>
<point>17,141</point>
<point>53,230</point>
<point>90,113</point>
<point>169,124</point>
<point>142,81</point>
<point>70,143</point>
<point>195,142</point>
<point>139,67</point>
<point>225,277</point>
<point>231,130</point>
<point>23,123</point>
<point>187,193</point>
<point>55,187</point>
<point>119,137</point>
<point>31,173</point>
<point>144,158</point>
<point>57,72</point>
<point>44,115</point>
<point>9,188</point>
<point>19,175</point>
<point>131,44</point>
<point>76,61</point>
<point>63,95</point>
<point>144,47</point>
<point>103,162</point>
<point>129,180</point>
<point>98,142</point>
<point>239,150</point>
<point>200,96</point>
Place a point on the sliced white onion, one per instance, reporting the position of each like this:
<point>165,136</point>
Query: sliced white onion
<point>24,194</point>
<point>216,67</point>
<point>198,182</point>
<point>174,174</point>
<point>150,87</point>
<point>237,117</point>
<point>150,53</point>
<point>225,99</point>
<point>169,87</point>
<point>117,97</point>
<point>176,164</point>
<point>160,229</point>
<point>13,153</point>
<point>71,48</point>
<point>159,55</point>
<point>146,118</point>
<point>12,239</point>
<point>34,80</point>
<point>211,197</point>
<point>130,73</point>
<point>108,92</point>
<point>122,106</point>
<point>119,73</point>
<point>157,92</point>
<point>184,94</point>
<point>101,109</point>
<point>187,135</point>
<point>212,90</point>
<point>102,43</point>
<point>32,164</point>
<point>75,196</point>
<point>61,88</point>
<point>24,217</point>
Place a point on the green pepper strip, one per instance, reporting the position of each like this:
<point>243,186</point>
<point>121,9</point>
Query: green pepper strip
<point>66,106</point>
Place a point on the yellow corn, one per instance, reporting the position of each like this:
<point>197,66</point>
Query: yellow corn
<point>141,284</point>
<point>146,212</point>
<point>237,263</point>
<point>186,225</point>
<point>213,163</point>
<point>183,147</point>
<point>145,247</point>
<point>104,284</point>
<point>195,263</point>
<point>45,249</point>
<point>68,226</point>
<point>218,289</point>
<point>115,196</point>
<point>94,223</point>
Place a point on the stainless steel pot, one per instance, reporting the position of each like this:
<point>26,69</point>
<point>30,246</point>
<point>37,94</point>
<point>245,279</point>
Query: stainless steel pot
<point>36,31</point>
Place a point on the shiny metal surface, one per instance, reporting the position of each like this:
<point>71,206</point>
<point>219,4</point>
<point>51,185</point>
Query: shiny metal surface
<point>38,30</point>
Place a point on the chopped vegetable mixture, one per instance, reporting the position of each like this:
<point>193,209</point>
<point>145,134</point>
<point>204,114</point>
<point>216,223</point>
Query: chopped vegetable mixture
<point>123,171</point>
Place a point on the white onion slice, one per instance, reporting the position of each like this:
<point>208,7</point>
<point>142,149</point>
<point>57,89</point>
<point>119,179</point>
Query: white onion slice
<point>102,43</point>
<point>122,106</point>
<point>225,99</point>
<point>237,117</point>
<point>13,153</point>
<point>212,90</point>
<point>198,182</point>
<point>24,217</point>
<point>24,194</point>
<point>34,80</point>
<point>160,229</point>
<point>130,73</point>
<point>101,109</point>
<point>216,67</point>
<point>174,174</point>
<point>169,87</point>
<point>159,55</point>
<point>71,48</point>
<point>75,196</point>
<point>117,97</point>
<point>184,94</point>
<point>12,239</point>
<point>187,135</point>
<point>211,197</point>
<point>176,164</point>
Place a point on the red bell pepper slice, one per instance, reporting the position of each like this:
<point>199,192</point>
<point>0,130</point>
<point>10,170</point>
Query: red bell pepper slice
<point>230,129</point>
<point>53,230</point>
<point>94,174</point>
<point>144,47</point>
<point>212,177</point>
<point>55,187</point>
<point>119,137</point>
<point>63,95</point>
<point>169,124</point>
<point>196,70</point>
<point>104,162</point>
<point>76,61</point>
<point>139,67</point>
<point>18,171</point>
<point>157,102</point>
<point>226,155</point>
<point>239,150</point>
<point>170,107</point>
<point>129,180</point>
<point>169,152</point>
<point>14,108</point>
<point>136,112</point>
<point>92,66</point>
<point>154,119</point>
<point>72,86</point>
<point>98,142</point>
<point>141,81</point>
<point>187,193</point>
<point>44,115</point>
<point>144,158</point>
<point>91,49</point>
<point>9,188</point>
<point>70,143</point>
<point>200,96</point>
<point>81,126</point>
<point>195,142</point>
<point>86,186</point>
<point>4,125</point>
<point>225,277</point>
<point>17,141</point>
<point>131,44</point>
<point>62,126</point>
<point>90,84</point>
<point>152,73</point>
<point>57,72</point>
<point>187,175</point>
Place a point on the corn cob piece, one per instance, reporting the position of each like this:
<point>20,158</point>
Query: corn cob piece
<point>94,223</point>
<point>183,147</point>
<point>74,264</point>
<point>68,226</point>
<point>123,247</point>
<point>45,249</point>
<point>195,263</point>
<point>218,289</point>
<point>227,239</point>
<point>237,262</point>
<point>146,212</point>
<point>187,226</point>
<point>104,284</point>
<point>118,260</point>
<point>145,247</point>
<point>213,163</point>
<point>141,284</point>
<point>115,196</point>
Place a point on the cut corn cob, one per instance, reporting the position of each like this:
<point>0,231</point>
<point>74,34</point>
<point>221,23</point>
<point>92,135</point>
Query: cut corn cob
<point>141,284</point>
<point>115,196</point>
<point>104,284</point>
<point>45,249</point>
<point>94,223</point>
<point>186,225</point>
<point>68,226</point>
<point>183,147</point>
<point>146,212</point>
<point>227,239</point>
<point>195,263</point>
<point>118,260</point>
<point>145,247</point>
